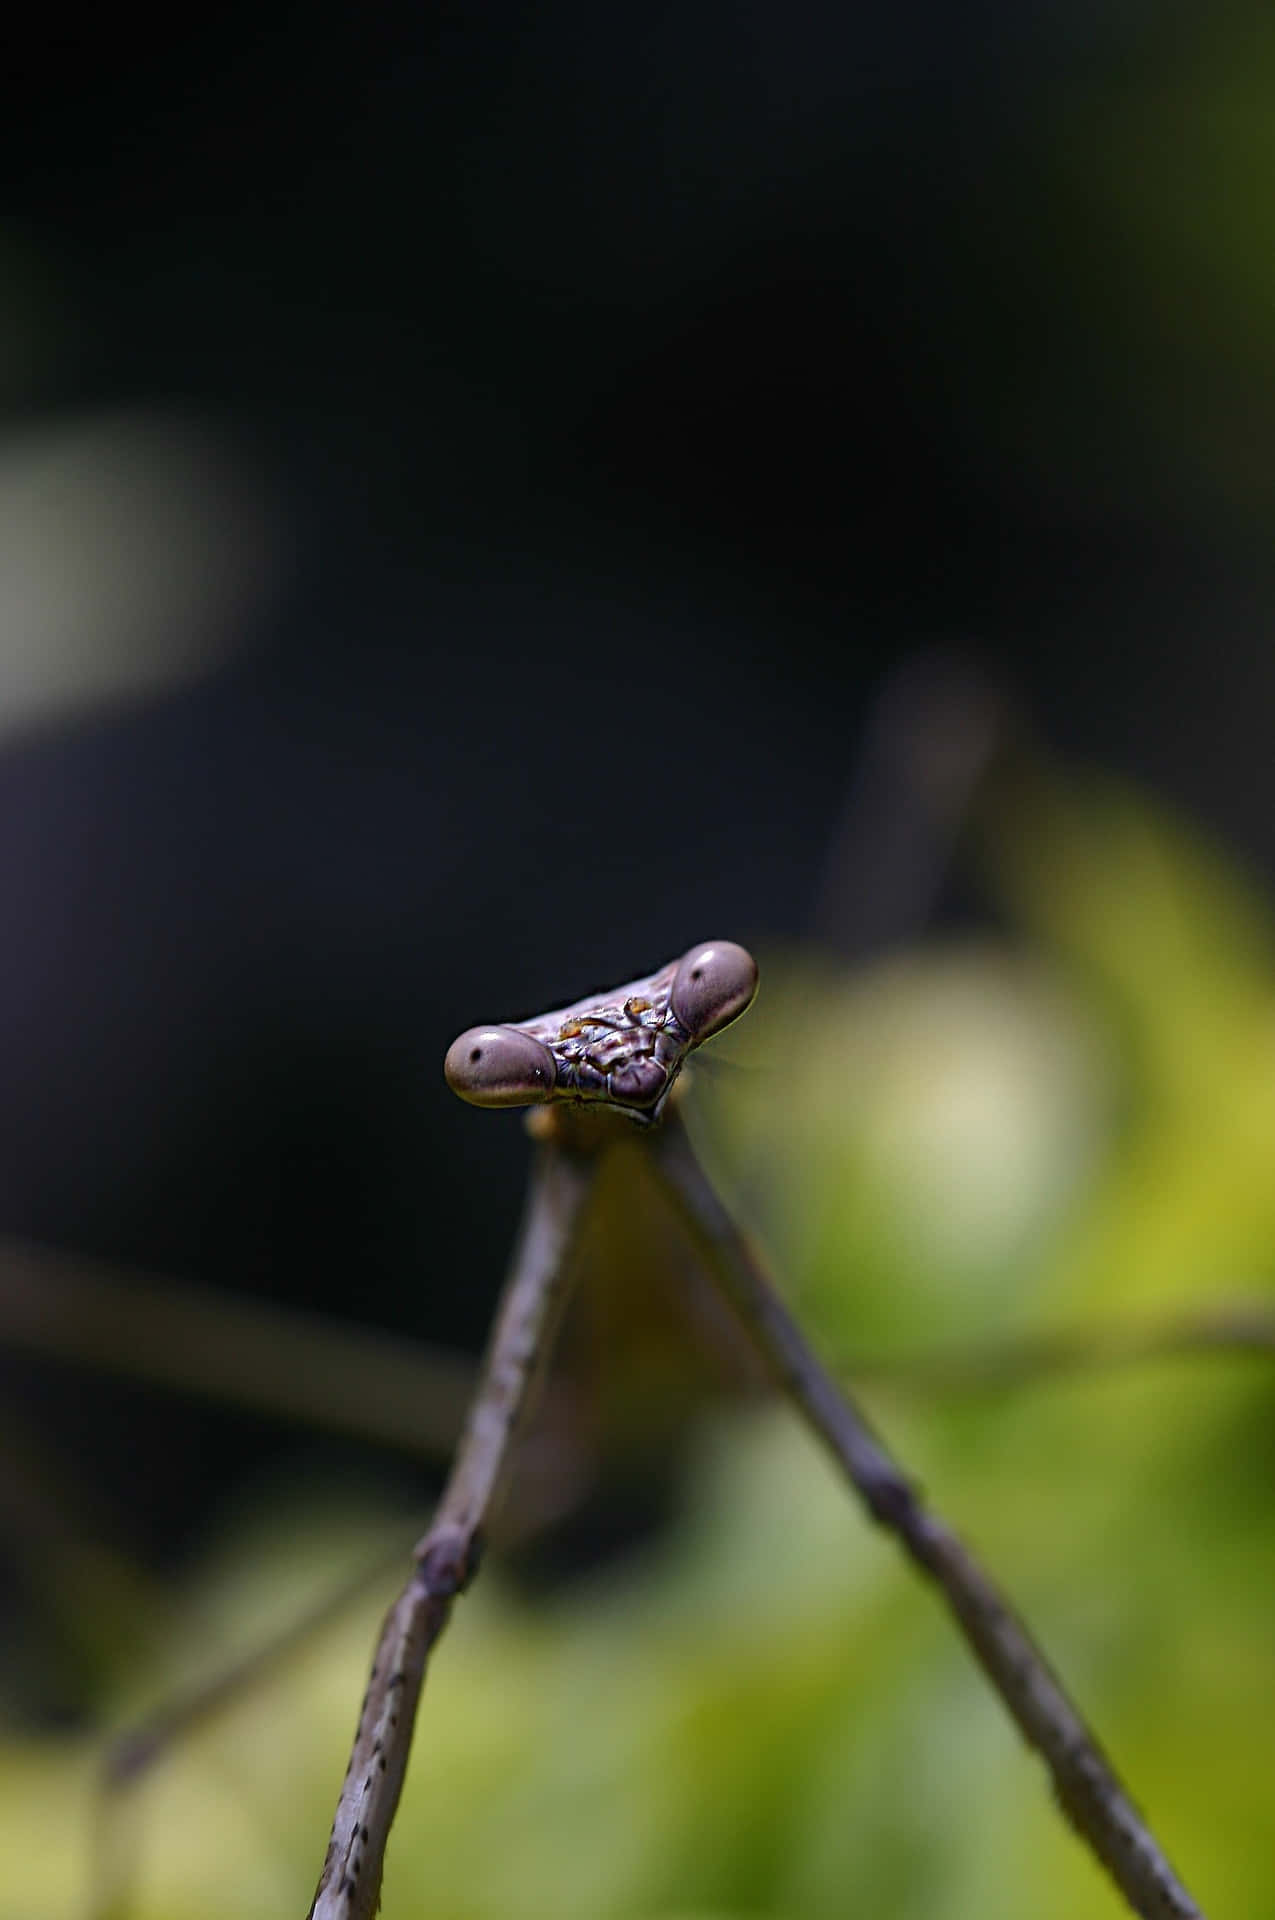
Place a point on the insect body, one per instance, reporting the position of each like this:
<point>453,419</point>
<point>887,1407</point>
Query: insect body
<point>623,1048</point>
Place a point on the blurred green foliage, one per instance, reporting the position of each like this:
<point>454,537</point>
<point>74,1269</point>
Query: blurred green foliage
<point>764,1713</point>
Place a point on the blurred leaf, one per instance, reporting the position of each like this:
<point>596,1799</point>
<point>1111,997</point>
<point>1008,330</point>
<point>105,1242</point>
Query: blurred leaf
<point>135,551</point>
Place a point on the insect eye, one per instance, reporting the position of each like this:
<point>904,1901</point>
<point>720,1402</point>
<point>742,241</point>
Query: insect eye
<point>499,1067</point>
<point>713,985</point>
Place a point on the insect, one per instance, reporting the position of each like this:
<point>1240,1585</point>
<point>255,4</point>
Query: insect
<point>622,1049</point>
<point>573,1069</point>
<point>617,1054</point>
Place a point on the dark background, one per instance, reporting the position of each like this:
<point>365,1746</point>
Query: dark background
<point>635,395</point>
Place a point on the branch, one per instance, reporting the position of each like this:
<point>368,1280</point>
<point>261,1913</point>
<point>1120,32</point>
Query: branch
<point>447,1556</point>
<point>336,1373</point>
<point>1088,1790</point>
<point>1236,1326</point>
<point>170,1333</point>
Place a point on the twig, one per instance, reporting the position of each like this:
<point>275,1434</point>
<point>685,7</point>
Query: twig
<point>447,1556</point>
<point>1224,1328</point>
<point>334,1373</point>
<point>190,1339</point>
<point>935,729</point>
<point>1087,1787</point>
<point>130,1755</point>
<point>551,1478</point>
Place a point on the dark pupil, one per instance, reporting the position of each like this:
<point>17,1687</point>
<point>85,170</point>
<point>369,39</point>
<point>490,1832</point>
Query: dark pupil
<point>476,1055</point>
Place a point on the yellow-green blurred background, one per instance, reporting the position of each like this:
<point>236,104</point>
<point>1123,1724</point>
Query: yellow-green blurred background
<point>487,499</point>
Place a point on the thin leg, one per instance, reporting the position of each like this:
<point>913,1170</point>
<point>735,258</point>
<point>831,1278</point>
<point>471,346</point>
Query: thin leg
<point>447,1557</point>
<point>1087,1788</point>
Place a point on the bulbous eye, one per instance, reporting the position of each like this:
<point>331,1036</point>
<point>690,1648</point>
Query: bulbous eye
<point>500,1067</point>
<point>713,985</point>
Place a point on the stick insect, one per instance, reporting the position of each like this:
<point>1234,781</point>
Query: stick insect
<point>593,1072</point>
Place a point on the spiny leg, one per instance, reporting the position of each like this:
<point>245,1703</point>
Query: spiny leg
<point>447,1557</point>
